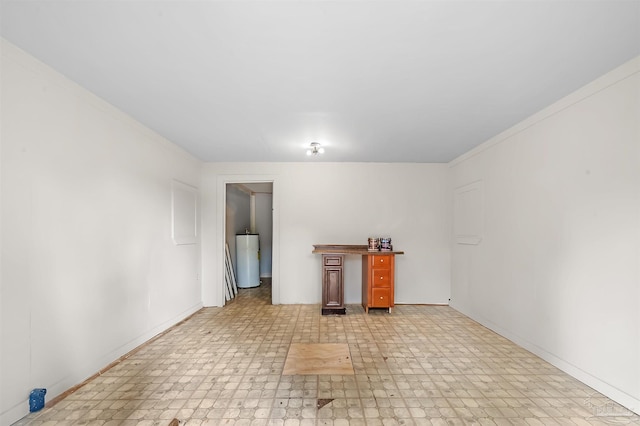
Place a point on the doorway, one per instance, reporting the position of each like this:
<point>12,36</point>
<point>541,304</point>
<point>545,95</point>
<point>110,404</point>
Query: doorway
<point>248,205</point>
<point>249,211</point>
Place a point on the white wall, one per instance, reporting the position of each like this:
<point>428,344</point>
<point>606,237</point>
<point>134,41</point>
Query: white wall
<point>558,266</point>
<point>341,203</point>
<point>264,227</point>
<point>89,269</point>
<point>238,218</point>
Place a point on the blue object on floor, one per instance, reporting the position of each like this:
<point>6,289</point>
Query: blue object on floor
<point>36,400</point>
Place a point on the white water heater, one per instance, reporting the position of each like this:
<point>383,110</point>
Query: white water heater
<point>248,260</point>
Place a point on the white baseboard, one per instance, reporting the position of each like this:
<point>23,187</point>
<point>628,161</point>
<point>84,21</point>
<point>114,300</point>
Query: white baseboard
<point>615,394</point>
<point>83,372</point>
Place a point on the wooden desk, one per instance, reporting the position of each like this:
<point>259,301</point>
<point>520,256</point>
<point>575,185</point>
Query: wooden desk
<point>378,270</point>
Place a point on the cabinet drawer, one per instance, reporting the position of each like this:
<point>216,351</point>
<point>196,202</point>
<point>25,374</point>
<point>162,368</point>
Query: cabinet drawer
<point>332,260</point>
<point>380,298</point>
<point>381,262</point>
<point>381,278</point>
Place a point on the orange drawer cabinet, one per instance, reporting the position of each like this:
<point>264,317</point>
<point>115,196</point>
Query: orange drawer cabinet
<point>377,281</point>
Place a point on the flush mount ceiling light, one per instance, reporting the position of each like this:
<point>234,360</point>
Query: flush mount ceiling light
<point>315,149</point>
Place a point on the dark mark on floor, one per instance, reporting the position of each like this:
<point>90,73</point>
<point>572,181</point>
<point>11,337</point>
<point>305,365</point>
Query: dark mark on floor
<point>323,402</point>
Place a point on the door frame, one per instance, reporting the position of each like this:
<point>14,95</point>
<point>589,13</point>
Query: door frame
<point>221,221</point>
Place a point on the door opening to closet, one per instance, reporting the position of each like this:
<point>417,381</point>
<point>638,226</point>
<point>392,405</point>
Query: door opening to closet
<point>248,241</point>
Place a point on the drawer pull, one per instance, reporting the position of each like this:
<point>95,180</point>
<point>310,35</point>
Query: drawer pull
<point>380,277</point>
<point>381,297</point>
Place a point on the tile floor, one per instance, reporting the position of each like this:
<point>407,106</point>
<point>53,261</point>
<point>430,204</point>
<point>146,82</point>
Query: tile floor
<point>420,365</point>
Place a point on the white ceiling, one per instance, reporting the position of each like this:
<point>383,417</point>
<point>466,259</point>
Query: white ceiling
<point>390,81</point>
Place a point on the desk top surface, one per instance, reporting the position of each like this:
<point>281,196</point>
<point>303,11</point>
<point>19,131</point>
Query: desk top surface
<point>350,249</point>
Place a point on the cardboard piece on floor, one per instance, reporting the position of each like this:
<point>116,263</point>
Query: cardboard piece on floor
<point>318,358</point>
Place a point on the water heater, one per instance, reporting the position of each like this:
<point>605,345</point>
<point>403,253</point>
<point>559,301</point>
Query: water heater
<point>248,260</point>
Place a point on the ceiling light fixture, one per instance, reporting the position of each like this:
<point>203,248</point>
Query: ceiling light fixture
<point>315,149</point>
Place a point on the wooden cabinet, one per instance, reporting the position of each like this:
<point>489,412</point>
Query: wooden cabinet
<point>332,284</point>
<point>377,276</point>
<point>377,281</point>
